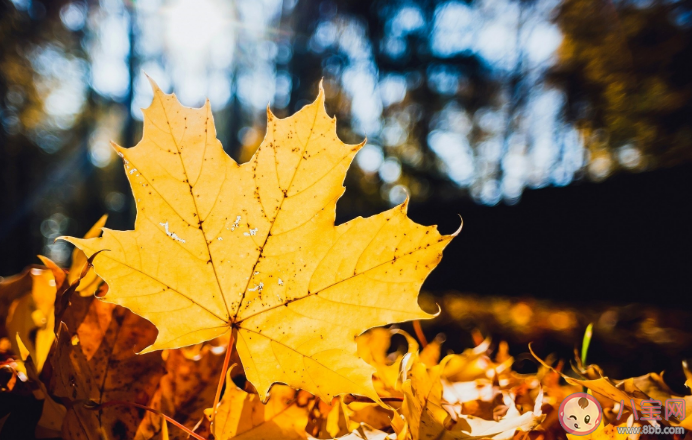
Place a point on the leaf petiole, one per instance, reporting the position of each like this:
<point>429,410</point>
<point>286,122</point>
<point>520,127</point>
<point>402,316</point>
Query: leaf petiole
<point>419,333</point>
<point>226,360</point>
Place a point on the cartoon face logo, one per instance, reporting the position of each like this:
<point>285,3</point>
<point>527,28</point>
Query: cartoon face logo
<point>580,414</point>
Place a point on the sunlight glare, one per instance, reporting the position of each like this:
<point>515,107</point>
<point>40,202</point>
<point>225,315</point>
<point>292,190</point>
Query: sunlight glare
<point>193,24</point>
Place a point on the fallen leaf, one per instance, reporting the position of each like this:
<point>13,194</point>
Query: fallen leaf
<point>64,295</point>
<point>90,282</point>
<point>185,391</point>
<point>651,385</point>
<point>592,371</point>
<point>52,413</point>
<point>31,317</point>
<point>97,363</point>
<point>52,418</point>
<point>462,392</point>
<point>628,391</point>
<point>424,411</point>
<point>602,387</point>
<point>506,426</point>
<point>12,288</point>
<point>422,407</point>
<point>72,381</point>
<point>364,432</point>
<point>344,415</point>
<point>371,414</point>
<point>473,381</point>
<point>471,364</point>
<point>430,355</point>
<point>254,247</point>
<point>389,373</point>
<point>243,416</point>
<point>373,345</point>
<point>58,273</point>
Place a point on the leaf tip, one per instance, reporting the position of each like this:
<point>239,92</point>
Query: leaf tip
<point>102,221</point>
<point>47,261</point>
<point>66,238</point>
<point>405,203</point>
<point>541,361</point>
<point>359,146</point>
<point>461,225</point>
<point>23,351</point>
<point>72,240</point>
<point>154,87</point>
<point>321,94</point>
<point>146,350</point>
<point>118,149</point>
<point>98,227</point>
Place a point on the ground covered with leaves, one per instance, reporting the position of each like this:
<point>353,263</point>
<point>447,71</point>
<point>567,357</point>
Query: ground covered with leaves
<point>236,308</point>
<point>84,383</point>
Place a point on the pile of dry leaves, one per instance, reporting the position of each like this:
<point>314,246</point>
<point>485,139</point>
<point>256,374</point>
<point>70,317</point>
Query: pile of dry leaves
<point>92,385</point>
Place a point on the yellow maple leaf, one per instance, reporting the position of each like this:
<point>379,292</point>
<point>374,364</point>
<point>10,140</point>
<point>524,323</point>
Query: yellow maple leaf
<point>89,282</point>
<point>31,317</point>
<point>241,415</point>
<point>422,406</point>
<point>373,346</point>
<point>253,247</point>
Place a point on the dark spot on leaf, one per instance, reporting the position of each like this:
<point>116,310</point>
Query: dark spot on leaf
<point>119,430</point>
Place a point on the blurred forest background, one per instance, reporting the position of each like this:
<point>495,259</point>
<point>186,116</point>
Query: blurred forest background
<point>559,129</point>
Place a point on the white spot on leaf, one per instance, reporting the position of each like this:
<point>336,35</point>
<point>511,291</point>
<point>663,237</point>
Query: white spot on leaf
<point>173,235</point>
<point>235,224</point>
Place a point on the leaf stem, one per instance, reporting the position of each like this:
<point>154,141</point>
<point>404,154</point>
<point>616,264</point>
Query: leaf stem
<point>155,411</point>
<point>419,334</point>
<point>226,360</point>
